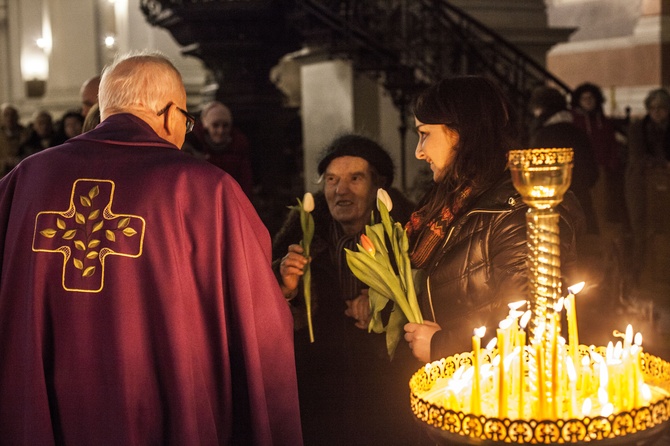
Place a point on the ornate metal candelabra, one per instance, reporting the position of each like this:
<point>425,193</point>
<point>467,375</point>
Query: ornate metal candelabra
<point>542,176</point>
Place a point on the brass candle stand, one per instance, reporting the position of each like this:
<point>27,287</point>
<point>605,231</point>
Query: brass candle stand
<point>547,381</point>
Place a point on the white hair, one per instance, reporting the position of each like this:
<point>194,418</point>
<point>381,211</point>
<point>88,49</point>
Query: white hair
<point>144,80</point>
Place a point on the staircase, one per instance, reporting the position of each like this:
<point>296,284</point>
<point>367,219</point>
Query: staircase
<point>405,44</point>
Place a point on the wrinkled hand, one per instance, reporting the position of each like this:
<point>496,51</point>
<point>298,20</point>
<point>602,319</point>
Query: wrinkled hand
<point>359,309</point>
<point>291,268</point>
<point>418,336</point>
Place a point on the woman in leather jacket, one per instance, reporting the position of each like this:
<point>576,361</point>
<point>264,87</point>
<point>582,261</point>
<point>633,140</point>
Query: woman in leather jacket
<point>468,234</point>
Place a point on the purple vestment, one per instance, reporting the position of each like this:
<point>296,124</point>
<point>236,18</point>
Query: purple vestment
<point>137,302</point>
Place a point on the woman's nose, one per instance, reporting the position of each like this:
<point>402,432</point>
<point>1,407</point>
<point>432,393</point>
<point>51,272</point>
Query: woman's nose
<point>418,152</point>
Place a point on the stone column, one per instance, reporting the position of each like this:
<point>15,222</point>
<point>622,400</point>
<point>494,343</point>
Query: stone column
<point>330,106</point>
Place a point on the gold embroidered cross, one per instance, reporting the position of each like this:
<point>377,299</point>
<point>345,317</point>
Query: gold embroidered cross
<point>86,233</point>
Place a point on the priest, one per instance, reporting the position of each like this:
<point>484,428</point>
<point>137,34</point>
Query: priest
<point>137,301</point>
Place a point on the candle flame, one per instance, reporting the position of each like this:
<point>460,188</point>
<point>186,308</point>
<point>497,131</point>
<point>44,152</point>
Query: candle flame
<point>586,407</point>
<point>525,318</point>
<point>492,343</point>
<point>604,378</point>
<point>480,331</point>
<point>618,351</point>
<point>607,410</point>
<point>638,338</point>
<point>506,323</point>
<point>515,314</point>
<point>603,397</point>
<point>558,306</point>
<point>572,373</point>
<point>629,334</point>
<point>516,305</point>
<point>576,288</point>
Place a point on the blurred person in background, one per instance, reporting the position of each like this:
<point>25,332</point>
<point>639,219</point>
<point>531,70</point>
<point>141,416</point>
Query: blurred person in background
<point>647,174</point>
<point>587,112</point>
<point>42,134</point>
<point>217,140</point>
<point>12,135</point>
<point>69,126</point>
<point>554,127</point>
<point>89,94</point>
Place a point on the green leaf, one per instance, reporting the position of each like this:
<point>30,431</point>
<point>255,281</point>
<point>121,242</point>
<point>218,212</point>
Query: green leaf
<point>395,330</point>
<point>377,303</point>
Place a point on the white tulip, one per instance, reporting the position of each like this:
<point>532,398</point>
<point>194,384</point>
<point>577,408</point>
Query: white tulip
<point>308,202</point>
<point>385,198</point>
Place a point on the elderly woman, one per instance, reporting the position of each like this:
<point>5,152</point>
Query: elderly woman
<point>349,392</point>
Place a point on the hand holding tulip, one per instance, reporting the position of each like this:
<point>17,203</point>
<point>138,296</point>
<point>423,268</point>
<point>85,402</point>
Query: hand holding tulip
<point>359,309</point>
<point>419,336</point>
<point>291,269</point>
<point>293,266</point>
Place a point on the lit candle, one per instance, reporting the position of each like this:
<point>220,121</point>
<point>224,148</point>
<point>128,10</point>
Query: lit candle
<point>555,379</point>
<point>502,383</point>
<point>638,379</point>
<point>475,403</point>
<point>541,394</point>
<point>572,381</point>
<point>522,363</point>
<point>571,310</point>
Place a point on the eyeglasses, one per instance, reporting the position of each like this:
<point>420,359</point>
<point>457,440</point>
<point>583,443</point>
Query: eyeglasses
<point>190,119</point>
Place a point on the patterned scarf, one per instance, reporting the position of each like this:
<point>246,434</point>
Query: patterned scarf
<point>425,235</point>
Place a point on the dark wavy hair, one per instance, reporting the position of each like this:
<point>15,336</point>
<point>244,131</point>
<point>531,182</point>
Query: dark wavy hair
<point>479,112</point>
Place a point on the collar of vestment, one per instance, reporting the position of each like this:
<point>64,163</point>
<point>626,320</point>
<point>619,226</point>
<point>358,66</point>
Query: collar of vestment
<point>126,129</point>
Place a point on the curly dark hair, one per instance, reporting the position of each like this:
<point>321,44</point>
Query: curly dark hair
<point>590,88</point>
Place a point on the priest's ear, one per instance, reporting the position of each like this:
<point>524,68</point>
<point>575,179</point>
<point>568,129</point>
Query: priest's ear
<point>172,126</point>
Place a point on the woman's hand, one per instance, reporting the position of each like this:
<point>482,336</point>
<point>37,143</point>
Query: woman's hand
<point>418,336</point>
<point>359,309</point>
<point>292,266</point>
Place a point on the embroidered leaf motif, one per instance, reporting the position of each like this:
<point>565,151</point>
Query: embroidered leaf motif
<point>95,190</point>
<point>97,226</point>
<point>79,245</point>
<point>94,214</point>
<point>85,201</point>
<point>69,234</point>
<point>92,255</point>
<point>93,243</point>
<point>60,223</point>
<point>78,263</point>
<point>110,235</point>
<point>79,218</point>
<point>123,222</point>
<point>129,232</point>
<point>88,272</point>
<point>48,233</point>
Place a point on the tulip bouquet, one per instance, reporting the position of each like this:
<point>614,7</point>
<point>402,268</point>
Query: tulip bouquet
<point>388,273</point>
<point>305,207</point>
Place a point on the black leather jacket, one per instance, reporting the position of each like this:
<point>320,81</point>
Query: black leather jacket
<point>483,265</point>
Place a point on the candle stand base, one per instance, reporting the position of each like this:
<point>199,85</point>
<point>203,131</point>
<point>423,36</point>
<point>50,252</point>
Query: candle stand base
<point>641,426</point>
